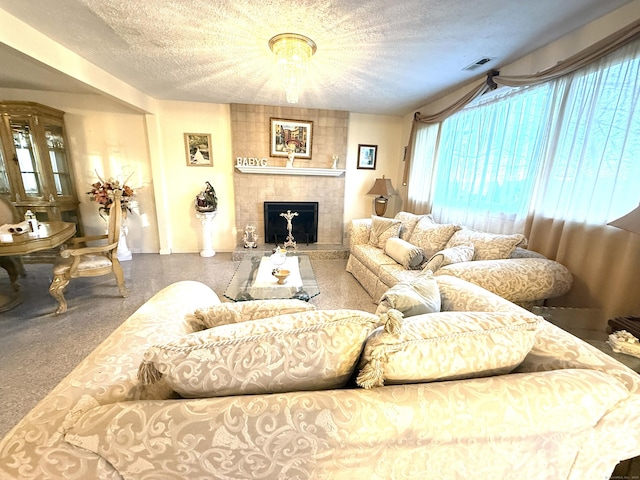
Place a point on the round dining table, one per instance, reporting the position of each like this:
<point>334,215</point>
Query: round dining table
<point>48,235</point>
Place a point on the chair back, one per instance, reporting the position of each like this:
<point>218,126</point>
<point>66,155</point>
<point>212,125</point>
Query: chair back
<point>8,213</point>
<point>115,218</point>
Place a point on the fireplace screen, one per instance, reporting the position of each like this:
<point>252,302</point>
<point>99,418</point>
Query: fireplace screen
<point>304,225</point>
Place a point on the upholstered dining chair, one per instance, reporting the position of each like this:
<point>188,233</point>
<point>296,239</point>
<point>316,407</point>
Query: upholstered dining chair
<point>12,264</point>
<point>81,260</point>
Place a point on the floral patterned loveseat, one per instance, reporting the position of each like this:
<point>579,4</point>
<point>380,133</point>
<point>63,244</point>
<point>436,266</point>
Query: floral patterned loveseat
<point>498,263</point>
<point>549,417</point>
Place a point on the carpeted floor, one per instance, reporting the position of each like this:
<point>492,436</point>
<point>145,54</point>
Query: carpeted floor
<point>38,348</point>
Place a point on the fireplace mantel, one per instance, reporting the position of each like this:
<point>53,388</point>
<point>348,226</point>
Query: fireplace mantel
<point>322,172</point>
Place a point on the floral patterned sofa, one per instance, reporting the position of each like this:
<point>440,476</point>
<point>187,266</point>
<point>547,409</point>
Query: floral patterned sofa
<point>498,263</point>
<point>111,418</point>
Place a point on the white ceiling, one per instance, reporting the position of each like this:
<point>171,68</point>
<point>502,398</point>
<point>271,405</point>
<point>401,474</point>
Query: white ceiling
<point>374,56</point>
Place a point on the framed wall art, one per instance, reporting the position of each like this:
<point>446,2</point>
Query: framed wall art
<point>367,156</point>
<point>198,149</point>
<point>286,135</point>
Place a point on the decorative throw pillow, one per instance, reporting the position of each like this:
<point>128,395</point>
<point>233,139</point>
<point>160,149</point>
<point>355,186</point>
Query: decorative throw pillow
<point>302,351</point>
<point>431,236</point>
<point>461,253</point>
<point>487,246</point>
<point>409,221</point>
<point>382,229</point>
<point>407,255</point>
<point>236,312</point>
<point>416,297</point>
<point>447,346</point>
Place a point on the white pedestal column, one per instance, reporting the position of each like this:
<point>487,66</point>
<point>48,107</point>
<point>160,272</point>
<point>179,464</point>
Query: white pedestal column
<point>124,253</point>
<point>206,220</point>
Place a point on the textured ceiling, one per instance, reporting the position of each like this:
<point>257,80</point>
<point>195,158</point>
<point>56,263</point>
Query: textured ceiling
<point>373,56</point>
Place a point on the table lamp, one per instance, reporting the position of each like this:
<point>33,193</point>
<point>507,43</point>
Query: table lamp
<point>383,188</point>
<point>629,222</point>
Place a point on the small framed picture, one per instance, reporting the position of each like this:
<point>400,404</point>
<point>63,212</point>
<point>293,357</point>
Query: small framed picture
<point>291,135</point>
<point>367,156</point>
<point>198,149</point>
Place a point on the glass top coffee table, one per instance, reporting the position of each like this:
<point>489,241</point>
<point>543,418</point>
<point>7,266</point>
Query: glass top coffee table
<point>253,279</point>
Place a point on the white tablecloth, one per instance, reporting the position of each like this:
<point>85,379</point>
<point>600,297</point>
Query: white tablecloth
<point>264,278</point>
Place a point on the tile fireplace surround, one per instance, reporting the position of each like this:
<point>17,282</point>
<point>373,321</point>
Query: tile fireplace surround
<point>250,138</point>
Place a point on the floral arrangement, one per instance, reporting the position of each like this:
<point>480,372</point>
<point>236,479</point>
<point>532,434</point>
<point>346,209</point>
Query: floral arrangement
<point>103,191</point>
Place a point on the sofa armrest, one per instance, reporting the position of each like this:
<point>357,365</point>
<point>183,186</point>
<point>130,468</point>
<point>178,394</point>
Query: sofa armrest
<point>518,280</point>
<point>359,231</point>
<point>556,349</point>
<point>458,295</point>
<point>107,375</point>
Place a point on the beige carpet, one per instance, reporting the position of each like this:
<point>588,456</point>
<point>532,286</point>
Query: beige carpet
<point>38,348</point>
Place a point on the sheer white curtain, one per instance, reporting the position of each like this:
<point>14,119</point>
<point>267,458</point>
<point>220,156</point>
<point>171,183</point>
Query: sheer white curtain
<point>593,155</point>
<point>556,161</point>
<point>489,157</point>
<point>566,149</point>
<point>590,177</point>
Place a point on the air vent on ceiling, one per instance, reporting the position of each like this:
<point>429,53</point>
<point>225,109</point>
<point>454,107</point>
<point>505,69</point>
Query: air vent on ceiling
<point>478,63</point>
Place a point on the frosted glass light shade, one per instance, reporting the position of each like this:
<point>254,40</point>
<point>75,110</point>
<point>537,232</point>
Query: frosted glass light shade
<point>293,52</point>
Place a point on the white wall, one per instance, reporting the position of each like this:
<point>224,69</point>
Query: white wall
<point>181,183</point>
<point>385,132</point>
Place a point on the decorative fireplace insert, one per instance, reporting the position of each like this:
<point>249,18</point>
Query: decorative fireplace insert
<point>304,226</point>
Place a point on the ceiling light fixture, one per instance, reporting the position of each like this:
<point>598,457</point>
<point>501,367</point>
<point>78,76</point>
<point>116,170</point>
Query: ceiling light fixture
<point>293,52</point>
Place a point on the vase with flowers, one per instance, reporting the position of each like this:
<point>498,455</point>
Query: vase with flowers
<point>103,192</point>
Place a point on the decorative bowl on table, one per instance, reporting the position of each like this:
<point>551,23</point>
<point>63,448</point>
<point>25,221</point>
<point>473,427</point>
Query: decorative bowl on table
<point>281,275</point>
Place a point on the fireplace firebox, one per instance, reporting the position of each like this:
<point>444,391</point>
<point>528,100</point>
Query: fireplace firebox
<point>304,226</point>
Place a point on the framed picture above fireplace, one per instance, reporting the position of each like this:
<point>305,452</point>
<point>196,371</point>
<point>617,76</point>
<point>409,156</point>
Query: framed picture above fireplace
<point>286,135</point>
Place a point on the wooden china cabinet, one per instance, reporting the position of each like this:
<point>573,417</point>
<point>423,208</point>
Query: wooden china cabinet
<point>35,169</point>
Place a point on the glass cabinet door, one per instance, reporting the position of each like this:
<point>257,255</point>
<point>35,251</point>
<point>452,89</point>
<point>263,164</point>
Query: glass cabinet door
<point>58,158</point>
<point>27,162</point>
<point>35,167</point>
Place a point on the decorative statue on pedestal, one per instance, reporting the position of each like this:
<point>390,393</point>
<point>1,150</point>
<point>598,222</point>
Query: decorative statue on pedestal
<point>206,200</point>
<point>250,237</point>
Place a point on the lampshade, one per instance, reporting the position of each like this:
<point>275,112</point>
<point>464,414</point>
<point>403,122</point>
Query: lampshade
<point>630,222</point>
<point>293,52</point>
<point>383,188</point>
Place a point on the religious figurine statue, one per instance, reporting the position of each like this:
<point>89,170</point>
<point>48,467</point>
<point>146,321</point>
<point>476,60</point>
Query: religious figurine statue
<point>291,147</point>
<point>206,200</point>
<point>250,237</point>
<point>290,240</point>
